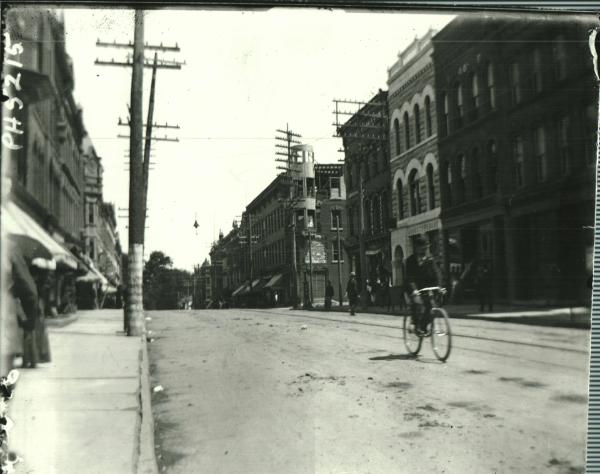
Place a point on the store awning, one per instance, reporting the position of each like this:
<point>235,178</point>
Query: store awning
<point>274,280</point>
<point>93,275</point>
<point>18,222</point>
<point>239,290</point>
<point>259,284</point>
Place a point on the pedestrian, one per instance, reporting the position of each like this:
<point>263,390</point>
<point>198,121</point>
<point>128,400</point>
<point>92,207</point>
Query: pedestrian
<point>42,280</point>
<point>483,283</point>
<point>328,295</point>
<point>352,293</point>
<point>24,292</point>
<point>275,297</point>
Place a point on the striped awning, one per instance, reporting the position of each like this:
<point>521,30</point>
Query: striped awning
<point>16,221</point>
<point>274,280</point>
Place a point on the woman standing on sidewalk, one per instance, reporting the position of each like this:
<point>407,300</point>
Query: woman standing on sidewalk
<point>41,333</point>
<point>24,292</point>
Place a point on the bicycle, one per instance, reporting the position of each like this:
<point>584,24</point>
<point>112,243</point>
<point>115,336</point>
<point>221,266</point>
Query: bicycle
<point>440,333</point>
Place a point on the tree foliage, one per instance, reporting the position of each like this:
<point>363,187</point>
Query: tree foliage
<point>164,286</point>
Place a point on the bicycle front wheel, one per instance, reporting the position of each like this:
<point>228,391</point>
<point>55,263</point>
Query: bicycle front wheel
<point>411,340</point>
<point>441,335</point>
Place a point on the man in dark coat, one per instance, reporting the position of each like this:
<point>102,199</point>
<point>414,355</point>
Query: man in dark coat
<point>24,291</point>
<point>328,295</point>
<point>352,292</point>
<point>421,272</point>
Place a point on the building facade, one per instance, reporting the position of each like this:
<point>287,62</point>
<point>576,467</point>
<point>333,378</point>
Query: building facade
<point>330,222</point>
<point>367,178</point>
<point>517,125</point>
<point>45,169</point>
<point>414,157</point>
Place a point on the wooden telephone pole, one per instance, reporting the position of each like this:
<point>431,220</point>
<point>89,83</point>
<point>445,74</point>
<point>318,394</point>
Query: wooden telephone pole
<point>285,140</point>
<point>139,157</point>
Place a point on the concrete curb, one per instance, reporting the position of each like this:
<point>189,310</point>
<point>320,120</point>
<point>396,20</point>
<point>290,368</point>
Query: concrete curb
<point>62,321</point>
<point>146,462</point>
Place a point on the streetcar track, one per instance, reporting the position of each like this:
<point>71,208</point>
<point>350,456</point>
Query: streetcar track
<point>361,323</point>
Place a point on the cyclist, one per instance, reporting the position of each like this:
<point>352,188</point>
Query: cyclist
<point>421,272</point>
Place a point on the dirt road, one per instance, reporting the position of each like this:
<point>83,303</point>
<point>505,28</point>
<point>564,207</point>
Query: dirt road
<point>279,391</point>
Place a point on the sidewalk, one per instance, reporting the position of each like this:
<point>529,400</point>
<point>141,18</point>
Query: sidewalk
<point>575,317</point>
<point>81,413</point>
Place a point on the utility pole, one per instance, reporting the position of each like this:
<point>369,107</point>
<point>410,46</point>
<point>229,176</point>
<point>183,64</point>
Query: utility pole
<point>294,263</point>
<point>250,250</point>
<point>139,168</point>
<point>339,260</point>
<point>310,272</point>
<point>285,140</point>
<point>134,309</point>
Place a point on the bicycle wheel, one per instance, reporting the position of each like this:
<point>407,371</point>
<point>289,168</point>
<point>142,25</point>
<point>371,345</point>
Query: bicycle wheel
<point>411,340</point>
<point>441,335</point>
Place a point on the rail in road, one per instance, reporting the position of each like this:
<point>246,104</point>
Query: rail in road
<point>399,327</point>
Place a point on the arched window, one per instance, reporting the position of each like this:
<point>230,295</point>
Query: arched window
<point>397,135</point>
<point>460,108</point>
<point>415,193</point>
<point>490,83</point>
<point>428,122</point>
<point>448,179</point>
<point>406,131</point>
<point>539,136</point>
<point>492,166</point>
<point>430,186</point>
<point>400,199</point>
<point>417,114</point>
<point>477,174</point>
<point>475,92</point>
<point>462,176</point>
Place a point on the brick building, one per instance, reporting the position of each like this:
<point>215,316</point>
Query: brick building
<point>260,250</point>
<point>226,265</point>
<point>101,239</point>
<point>367,178</point>
<point>517,127</point>
<point>414,158</point>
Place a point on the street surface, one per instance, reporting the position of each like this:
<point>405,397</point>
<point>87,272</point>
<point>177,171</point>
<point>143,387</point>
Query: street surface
<point>280,391</point>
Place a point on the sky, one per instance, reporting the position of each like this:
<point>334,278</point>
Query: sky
<point>246,74</point>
